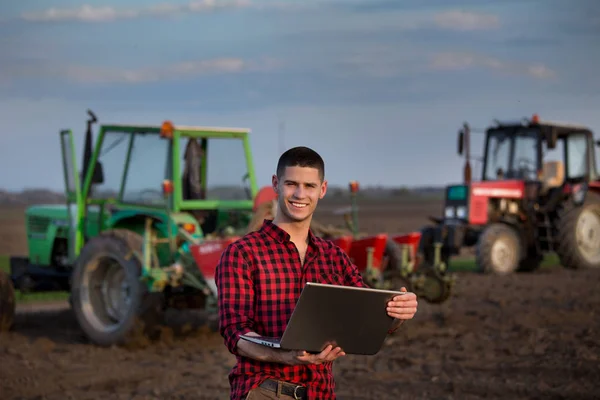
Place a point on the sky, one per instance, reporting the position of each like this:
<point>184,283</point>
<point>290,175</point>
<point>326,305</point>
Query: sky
<point>378,87</point>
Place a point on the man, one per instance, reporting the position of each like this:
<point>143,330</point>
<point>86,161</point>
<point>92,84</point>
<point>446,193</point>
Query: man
<point>260,277</point>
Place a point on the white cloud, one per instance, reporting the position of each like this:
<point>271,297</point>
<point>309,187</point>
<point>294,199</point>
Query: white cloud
<point>466,21</point>
<point>461,61</point>
<point>457,20</point>
<point>89,13</point>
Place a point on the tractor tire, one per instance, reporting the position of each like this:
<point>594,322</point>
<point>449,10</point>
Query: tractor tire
<point>7,302</point>
<point>106,315</point>
<point>498,250</point>
<point>578,244</point>
<point>434,288</point>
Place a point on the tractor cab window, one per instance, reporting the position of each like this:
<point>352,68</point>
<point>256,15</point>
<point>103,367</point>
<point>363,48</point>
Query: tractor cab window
<point>525,165</point>
<point>498,156</point>
<point>112,155</point>
<point>213,169</point>
<point>149,164</point>
<point>576,156</point>
<point>511,155</point>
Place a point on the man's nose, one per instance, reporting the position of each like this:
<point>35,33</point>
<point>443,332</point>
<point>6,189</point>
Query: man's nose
<point>299,192</point>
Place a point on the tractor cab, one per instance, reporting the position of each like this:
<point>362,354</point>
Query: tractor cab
<point>202,177</point>
<point>533,150</point>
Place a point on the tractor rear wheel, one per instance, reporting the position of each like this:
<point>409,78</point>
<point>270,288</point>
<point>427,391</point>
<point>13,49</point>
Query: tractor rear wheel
<point>7,302</point>
<point>578,244</point>
<point>111,304</point>
<point>498,250</point>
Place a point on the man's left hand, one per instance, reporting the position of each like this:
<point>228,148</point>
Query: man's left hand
<point>403,306</point>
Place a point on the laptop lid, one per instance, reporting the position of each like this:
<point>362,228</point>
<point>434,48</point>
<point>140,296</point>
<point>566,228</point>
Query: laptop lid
<point>350,317</point>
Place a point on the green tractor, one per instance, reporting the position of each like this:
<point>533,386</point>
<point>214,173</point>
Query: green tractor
<point>143,226</point>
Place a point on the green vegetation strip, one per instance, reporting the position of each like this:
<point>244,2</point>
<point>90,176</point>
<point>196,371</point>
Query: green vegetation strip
<point>23,298</point>
<point>468,264</point>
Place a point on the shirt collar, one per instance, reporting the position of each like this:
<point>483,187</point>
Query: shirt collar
<point>282,236</point>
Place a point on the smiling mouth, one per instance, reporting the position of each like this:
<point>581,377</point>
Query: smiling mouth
<point>298,205</point>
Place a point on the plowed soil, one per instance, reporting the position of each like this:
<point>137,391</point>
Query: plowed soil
<point>524,336</point>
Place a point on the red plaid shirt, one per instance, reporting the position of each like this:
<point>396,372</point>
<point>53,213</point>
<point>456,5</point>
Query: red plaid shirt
<point>259,278</point>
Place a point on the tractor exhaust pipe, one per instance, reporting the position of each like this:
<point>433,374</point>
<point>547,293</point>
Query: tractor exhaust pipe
<point>87,147</point>
<point>464,145</point>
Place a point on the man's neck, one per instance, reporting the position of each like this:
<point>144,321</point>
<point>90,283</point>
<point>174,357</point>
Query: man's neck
<point>298,231</point>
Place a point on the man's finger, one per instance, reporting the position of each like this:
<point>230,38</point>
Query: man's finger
<point>334,354</point>
<point>403,303</point>
<point>403,310</point>
<point>401,313</point>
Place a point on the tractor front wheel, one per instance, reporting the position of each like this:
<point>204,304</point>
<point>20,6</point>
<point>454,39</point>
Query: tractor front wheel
<point>111,304</point>
<point>498,250</point>
<point>7,302</point>
<point>579,235</point>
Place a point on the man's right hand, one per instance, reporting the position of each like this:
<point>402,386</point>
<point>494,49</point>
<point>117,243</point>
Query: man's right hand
<point>262,353</point>
<point>327,355</point>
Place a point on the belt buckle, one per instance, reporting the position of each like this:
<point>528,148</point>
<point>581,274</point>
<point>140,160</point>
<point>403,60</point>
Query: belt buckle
<point>295,392</point>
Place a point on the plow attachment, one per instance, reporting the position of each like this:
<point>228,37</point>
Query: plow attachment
<point>392,262</point>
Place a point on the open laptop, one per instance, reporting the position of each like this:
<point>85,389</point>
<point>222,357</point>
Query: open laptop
<point>350,317</point>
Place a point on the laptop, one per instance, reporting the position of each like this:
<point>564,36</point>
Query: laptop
<point>351,317</point>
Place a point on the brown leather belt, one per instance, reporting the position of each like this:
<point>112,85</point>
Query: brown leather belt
<point>296,391</point>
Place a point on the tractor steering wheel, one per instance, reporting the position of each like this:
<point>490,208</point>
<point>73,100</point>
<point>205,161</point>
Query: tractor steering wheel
<point>526,167</point>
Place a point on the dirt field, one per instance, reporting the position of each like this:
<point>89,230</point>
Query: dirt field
<point>524,336</point>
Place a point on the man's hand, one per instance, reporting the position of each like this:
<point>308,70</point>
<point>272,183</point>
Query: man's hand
<point>262,353</point>
<point>328,354</point>
<point>403,306</point>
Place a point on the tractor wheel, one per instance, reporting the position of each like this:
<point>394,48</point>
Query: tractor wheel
<point>7,302</point>
<point>579,235</point>
<point>434,287</point>
<point>498,250</point>
<point>111,304</point>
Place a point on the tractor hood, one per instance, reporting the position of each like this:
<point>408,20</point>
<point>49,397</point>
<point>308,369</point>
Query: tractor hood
<point>52,211</point>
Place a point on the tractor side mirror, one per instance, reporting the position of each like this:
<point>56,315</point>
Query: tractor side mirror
<point>98,175</point>
<point>461,141</point>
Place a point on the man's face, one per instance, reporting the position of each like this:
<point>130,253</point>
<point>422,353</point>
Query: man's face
<point>299,190</point>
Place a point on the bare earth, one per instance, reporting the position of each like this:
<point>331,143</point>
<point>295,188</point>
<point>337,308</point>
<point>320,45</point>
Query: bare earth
<point>524,336</point>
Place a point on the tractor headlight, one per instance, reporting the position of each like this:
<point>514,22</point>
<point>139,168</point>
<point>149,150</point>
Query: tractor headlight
<point>461,212</point>
<point>449,212</point>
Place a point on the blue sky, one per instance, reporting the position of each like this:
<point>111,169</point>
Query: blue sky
<point>378,87</point>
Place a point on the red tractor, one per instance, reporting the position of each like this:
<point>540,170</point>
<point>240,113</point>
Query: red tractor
<point>539,192</point>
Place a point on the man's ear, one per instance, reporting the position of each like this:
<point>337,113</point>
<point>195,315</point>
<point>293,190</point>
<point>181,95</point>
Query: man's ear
<point>323,189</point>
<point>275,183</point>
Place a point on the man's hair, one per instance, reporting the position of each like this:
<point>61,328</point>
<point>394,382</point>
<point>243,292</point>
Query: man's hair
<point>301,157</point>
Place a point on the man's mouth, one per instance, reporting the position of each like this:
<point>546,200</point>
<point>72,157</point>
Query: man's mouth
<point>298,205</point>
